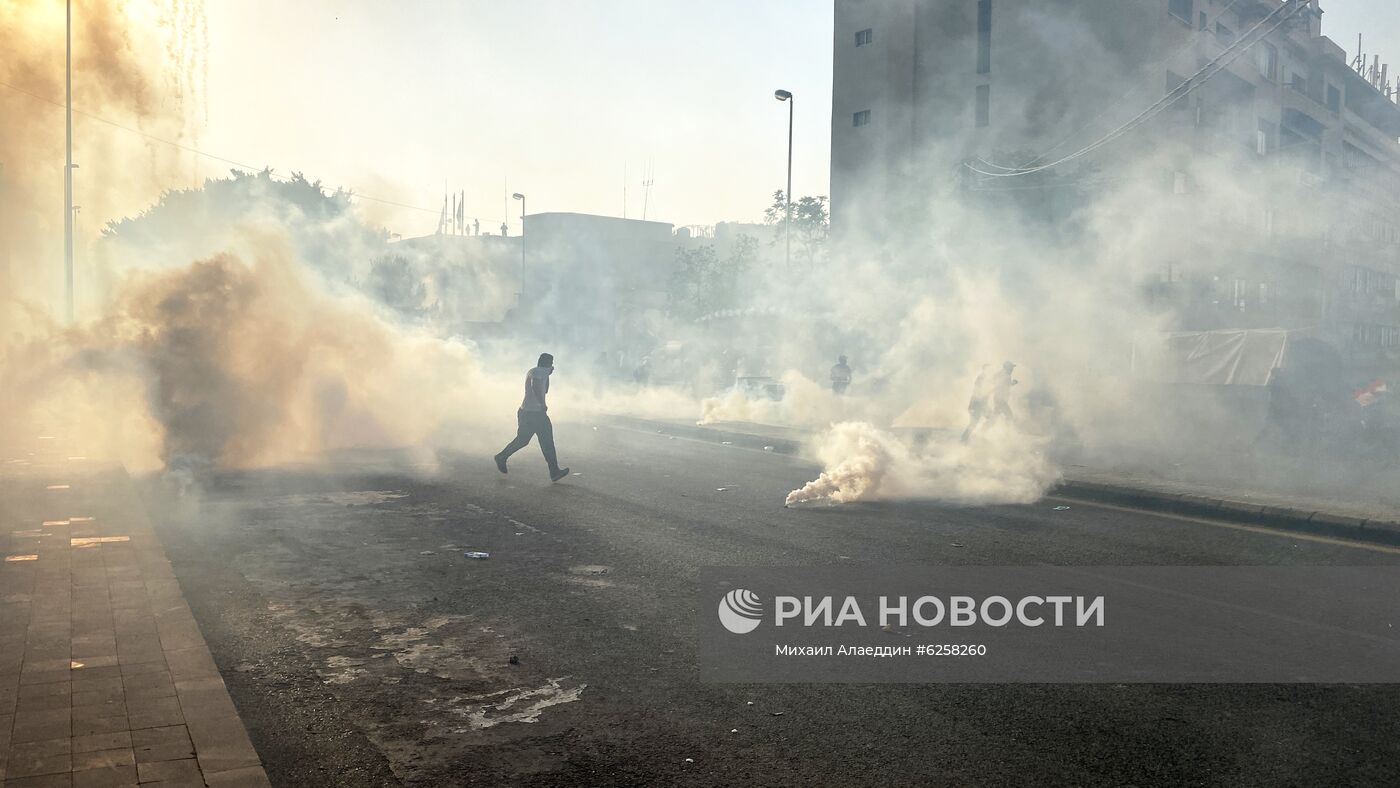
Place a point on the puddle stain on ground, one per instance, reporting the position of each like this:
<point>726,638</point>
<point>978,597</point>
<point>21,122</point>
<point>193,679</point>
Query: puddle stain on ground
<point>455,666</point>
<point>590,576</point>
<point>342,498</point>
<point>515,705</point>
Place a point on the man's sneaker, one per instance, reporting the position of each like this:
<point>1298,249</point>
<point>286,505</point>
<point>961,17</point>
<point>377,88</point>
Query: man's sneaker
<point>555,476</point>
<point>500,463</point>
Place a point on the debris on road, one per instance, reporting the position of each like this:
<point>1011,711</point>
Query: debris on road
<point>721,489</point>
<point>956,544</point>
<point>476,554</point>
<point>768,448</point>
<point>1061,508</point>
<point>425,552</point>
<point>514,660</point>
<point>777,713</point>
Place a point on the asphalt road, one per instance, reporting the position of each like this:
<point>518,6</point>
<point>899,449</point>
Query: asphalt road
<point>362,648</point>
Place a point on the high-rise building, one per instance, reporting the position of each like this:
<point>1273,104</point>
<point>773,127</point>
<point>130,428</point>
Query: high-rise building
<point>1272,155</point>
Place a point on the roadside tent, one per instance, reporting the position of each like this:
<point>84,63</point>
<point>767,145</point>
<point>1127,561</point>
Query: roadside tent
<point>1244,357</point>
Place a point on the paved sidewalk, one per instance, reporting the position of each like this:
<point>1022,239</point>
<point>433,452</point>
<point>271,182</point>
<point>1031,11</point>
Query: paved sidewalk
<point>105,679</point>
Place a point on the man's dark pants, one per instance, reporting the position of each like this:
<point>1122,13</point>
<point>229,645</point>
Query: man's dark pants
<point>533,423</point>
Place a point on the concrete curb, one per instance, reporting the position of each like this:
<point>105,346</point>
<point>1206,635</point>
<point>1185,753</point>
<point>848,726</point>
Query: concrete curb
<point>1245,512</point>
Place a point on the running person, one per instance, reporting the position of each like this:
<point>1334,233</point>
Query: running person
<point>533,420</point>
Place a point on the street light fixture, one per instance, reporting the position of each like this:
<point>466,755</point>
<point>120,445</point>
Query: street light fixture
<point>786,95</point>
<point>521,198</point>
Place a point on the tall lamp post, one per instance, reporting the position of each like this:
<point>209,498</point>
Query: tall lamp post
<point>521,198</point>
<point>68,165</point>
<point>786,95</point>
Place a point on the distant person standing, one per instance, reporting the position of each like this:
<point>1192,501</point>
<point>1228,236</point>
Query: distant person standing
<point>977,403</point>
<point>533,420</point>
<point>642,374</point>
<point>840,376</point>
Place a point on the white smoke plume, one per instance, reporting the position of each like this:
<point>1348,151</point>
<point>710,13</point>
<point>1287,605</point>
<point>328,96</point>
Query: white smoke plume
<point>864,463</point>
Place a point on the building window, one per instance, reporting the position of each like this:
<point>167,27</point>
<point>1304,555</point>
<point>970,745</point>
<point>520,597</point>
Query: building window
<point>861,118</point>
<point>1334,98</point>
<point>1201,23</point>
<point>1298,80</point>
<point>984,36</point>
<point>984,105</point>
<point>865,36</point>
<point>1224,35</point>
<point>1263,294</point>
<point>1267,56</point>
<point>1181,9</point>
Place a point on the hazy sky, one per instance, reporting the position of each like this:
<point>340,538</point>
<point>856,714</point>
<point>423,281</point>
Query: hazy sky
<point>553,97</point>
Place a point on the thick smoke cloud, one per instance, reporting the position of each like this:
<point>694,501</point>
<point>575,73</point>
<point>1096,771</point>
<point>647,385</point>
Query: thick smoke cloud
<point>139,64</point>
<point>242,359</point>
<point>250,322</point>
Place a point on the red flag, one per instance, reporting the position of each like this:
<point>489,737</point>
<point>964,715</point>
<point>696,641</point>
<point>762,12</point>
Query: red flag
<point>1368,394</point>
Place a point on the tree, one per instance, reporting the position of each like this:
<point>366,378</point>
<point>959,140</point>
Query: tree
<point>703,283</point>
<point>395,282</point>
<point>811,223</point>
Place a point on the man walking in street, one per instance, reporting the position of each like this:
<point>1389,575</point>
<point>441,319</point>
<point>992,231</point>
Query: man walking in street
<point>533,420</point>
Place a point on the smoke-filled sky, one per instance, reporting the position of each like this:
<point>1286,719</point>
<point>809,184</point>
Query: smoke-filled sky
<point>552,98</point>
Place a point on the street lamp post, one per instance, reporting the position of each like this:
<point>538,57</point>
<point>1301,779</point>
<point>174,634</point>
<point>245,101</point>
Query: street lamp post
<point>521,198</point>
<point>68,166</point>
<point>786,95</point>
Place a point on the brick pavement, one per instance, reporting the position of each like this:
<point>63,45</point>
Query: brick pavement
<point>105,678</point>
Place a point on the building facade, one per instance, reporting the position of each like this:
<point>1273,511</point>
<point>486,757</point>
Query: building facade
<point>1275,182</point>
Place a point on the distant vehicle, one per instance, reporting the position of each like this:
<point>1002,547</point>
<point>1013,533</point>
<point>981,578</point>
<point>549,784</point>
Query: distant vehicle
<point>762,387</point>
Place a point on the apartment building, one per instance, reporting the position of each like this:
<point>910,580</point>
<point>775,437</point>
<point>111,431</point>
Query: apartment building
<point>1277,178</point>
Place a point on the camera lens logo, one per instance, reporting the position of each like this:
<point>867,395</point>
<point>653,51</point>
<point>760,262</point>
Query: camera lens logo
<point>740,611</point>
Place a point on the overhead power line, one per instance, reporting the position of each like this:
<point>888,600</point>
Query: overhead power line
<point>1214,66</point>
<point>1190,44</point>
<point>198,152</point>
